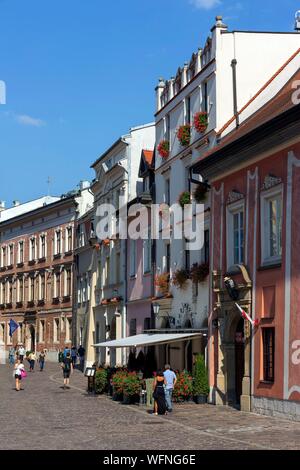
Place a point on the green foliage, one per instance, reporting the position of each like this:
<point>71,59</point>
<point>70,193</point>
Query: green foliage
<point>200,377</point>
<point>101,380</point>
<point>184,198</point>
<point>183,389</point>
<point>131,384</point>
<point>118,380</point>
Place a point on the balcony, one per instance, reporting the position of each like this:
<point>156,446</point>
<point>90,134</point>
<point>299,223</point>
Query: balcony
<point>41,302</point>
<point>66,298</point>
<point>55,300</point>
<point>20,264</point>
<point>19,304</point>
<point>42,259</point>
<point>8,305</point>
<point>57,256</point>
<point>30,303</point>
<point>31,262</point>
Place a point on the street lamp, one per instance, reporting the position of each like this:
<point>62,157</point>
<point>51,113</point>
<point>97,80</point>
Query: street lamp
<point>156,308</point>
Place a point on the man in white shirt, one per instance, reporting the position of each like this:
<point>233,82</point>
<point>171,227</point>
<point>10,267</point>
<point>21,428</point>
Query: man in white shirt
<point>21,353</point>
<point>171,380</point>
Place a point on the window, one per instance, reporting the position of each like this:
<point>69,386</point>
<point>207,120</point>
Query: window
<point>167,192</point>
<point>56,330</point>
<point>56,286</point>
<point>187,256</point>
<point>268,335</point>
<point>69,240</point>
<point>79,290</point>
<point>57,250</point>
<point>168,128</point>
<point>205,97</point>
<point>42,331</point>
<point>147,323</point>
<point>31,289</point>
<point>132,327</point>
<point>32,249</point>
<point>118,267</point>
<point>2,332</point>
<point>271,227</point>
<point>107,271</point>
<point>69,330</point>
<point>21,252</point>
<point>20,289</point>
<point>235,234</point>
<point>42,287</point>
<point>188,118</point>
<point>81,241</point>
<point>3,256</point>
<point>167,259</point>
<point>133,256</point>
<point>84,290</point>
<point>10,255</point>
<point>3,292</point>
<point>10,291</point>
<point>68,282</point>
<point>147,253</point>
<point>42,247</point>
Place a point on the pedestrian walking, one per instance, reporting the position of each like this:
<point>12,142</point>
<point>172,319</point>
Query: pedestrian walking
<point>160,405</point>
<point>21,352</point>
<point>32,359</point>
<point>171,380</point>
<point>67,368</point>
<point>42,357</point>
<point>60,356</point>
<point>12,355</point>
<point>19,373</point>
<point>66,351</point>
<point>81,354</point>
<point>74,355</point>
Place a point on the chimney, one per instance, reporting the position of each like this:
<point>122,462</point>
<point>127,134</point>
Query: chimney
<point>159,90</point>
<point>184,77</point>
<point>84,185</point>
<point>219,24</point>
<point>2,206</point>
<point>16,203</point>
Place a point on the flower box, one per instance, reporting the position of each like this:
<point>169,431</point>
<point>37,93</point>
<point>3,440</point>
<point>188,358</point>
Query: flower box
<point>164,148</point>
<point>199,272</point>
<point>162,282</point>
<point>180,278</point>
<point>184,198</point>
<point>184,135</point>
<point>201,121</point>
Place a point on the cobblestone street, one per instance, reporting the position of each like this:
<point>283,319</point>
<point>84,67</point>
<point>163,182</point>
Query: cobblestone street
<point>44,416</point>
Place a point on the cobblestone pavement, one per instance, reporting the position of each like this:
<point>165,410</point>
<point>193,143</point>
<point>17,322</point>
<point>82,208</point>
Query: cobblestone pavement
<point>44,416</point>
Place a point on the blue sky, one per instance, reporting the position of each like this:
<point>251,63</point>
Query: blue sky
<point>79,73</point>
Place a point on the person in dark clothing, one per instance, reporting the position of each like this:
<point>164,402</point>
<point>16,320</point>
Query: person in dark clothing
<point>81,353</point>
<point>74,355</point>
<point>160,405</point>
<point>67,368</point>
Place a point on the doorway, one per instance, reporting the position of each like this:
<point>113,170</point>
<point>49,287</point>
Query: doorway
<point>239,360</point>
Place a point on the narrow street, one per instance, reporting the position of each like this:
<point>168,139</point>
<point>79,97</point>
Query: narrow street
<point>44,416</point>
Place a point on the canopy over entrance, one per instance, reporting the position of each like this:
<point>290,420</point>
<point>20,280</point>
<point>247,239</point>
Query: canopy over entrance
<point>147,339</point>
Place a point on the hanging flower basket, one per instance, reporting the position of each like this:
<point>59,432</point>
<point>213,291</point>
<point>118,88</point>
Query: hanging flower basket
<point>184,134</point>
<point>200,192</point>
<point>162,282</point>
<point>164,148</point>
<point>180,278</point>
<point>184,198</point>
<point>199,272</point>
<point>201,121</point>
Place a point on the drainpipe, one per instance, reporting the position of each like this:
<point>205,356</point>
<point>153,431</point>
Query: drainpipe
<point>234,85</point>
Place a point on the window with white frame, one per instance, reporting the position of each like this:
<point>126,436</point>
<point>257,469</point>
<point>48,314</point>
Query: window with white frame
<point>235,234</point>
<point>42,248</point>
<point>79,291</point>
<point>42,287</point>
<point>32,249</point>
<point>42,331</point>
<point>68,283</point>
<point>9,291</point>
<point>69,239</point>
<point>56,330</point>
<point>188,113</point>
<point>167,131</point>
<point>20,289</point>
<point>3,293</point>
<point>133,256</point>
<point>56,286</point>
<point>8,337</point>
<point>31,289</point>
<point>21,251</point>
<point>11,254</point>
<point>57,242</point>
<point>3,256</point>
<point>147,254</point>
<point>271,225</point>
<point>107,271</point>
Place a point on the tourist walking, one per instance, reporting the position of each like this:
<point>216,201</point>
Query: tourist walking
<point>74,355</point>
<point>160,406</point>
<point>32,359</point>
<point>67,368</point>
<point>42,357</point>
<point>66,351</point>
<point>19,373</point>
<point>171,380</point>
<point>12,355</point>
<point>21,352</point>
<point>81,353</point>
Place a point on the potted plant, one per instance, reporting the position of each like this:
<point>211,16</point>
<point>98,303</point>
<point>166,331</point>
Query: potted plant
<point>201,121</point>
<point>180,278</point>
<point>200,192</point>
<point>131,388</point>
<point>183,389</point>
<point>184,134</point>
<point>164,148</point>
<point>200,380</point>
<point>101,381</point>
<point>184,198</point>
<point>199,272</point>
<point>117,382</point>
<point>162,282</point>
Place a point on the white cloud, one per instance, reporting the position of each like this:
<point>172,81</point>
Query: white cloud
<point>29,121</point>
<point>205,4</point>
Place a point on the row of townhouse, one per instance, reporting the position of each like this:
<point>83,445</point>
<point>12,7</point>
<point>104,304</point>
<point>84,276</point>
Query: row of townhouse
<point>37,270</point>
<point>163,286</point>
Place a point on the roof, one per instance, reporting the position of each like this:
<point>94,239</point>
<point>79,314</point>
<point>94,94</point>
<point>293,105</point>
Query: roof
<point>26,207</point>
<point>147,162</point>
<point>147,339</point>
<point>274,76</point>
<point>148,156</point>
<point>278,105</point>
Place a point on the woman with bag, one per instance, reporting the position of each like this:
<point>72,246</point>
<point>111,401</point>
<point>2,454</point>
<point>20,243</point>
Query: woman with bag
<point>160,405</point>
<point>19,373</point>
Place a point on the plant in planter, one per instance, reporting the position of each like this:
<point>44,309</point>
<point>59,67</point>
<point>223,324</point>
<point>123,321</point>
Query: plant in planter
<point>200,192</point>
<point>131,388</point>
<point>162,282</point>
<point>183,389</point>
<point>164,148</point>
<point>184,198</point>
<point>199,272</point>
<point>200,380</point>
<point>101,380</point>
<point>118,384</point>
<point>180,278</point>
<point>184,134</point>
<point>201,121</point>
